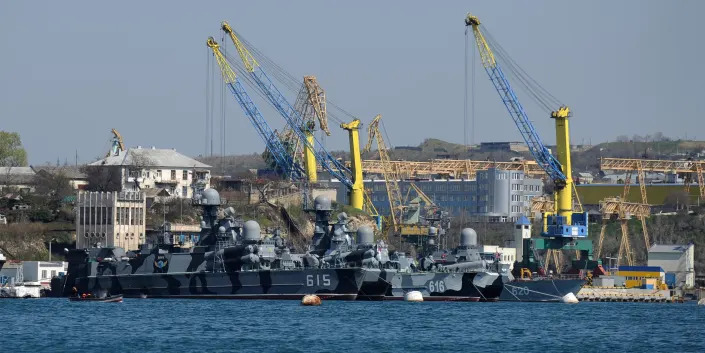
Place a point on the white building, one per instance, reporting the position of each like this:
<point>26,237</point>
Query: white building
<point>42,271</point>
<point>675,259</point>
<point>111,219</point>
<point>507,256</point>
<point>39,272</point>
<point>144,168</point>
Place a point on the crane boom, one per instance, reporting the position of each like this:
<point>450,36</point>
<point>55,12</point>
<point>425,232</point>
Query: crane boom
<point>538,150</point>
<point>274,145</point>
<point>564,223</point>
<point>287,111</point>
<point>396,206</point>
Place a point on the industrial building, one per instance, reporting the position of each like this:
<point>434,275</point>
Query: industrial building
<point>31,271</point>
<point>161,169</point>
<point>496,195</point>
<point>111,219</point>
<point>677,261</point>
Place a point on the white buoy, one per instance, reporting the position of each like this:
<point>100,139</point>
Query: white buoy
<point>311,300</point>
<point>569,298</point>
<point>413,296</point>
<point>701,301</point>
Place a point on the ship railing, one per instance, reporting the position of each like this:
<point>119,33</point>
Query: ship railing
<point>560,276</point>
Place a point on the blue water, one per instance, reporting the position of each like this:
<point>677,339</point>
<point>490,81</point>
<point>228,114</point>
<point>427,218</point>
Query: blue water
<point>156,325</point>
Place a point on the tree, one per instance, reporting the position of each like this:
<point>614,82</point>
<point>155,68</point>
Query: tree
<point>12,154</point>
<point>103,178</point>
<point>677,200</point>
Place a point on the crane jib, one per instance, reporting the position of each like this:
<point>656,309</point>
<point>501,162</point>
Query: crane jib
<point>538,150</point>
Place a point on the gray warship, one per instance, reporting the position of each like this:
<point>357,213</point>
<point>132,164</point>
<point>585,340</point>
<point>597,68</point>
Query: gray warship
<point>457,275</point>
<point>536,285</point>
<point>231,260</point>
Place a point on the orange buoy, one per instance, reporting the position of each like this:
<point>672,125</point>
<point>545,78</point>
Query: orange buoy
<point>311,300</point>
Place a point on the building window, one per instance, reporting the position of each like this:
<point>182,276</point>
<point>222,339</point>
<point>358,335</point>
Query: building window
<point>184,191</point>
<point>173,174</point>
<point>159,173</point>
<point>44,274</point>
<point>516,198</point>
<point>184,175</point>
<point>53,273</point>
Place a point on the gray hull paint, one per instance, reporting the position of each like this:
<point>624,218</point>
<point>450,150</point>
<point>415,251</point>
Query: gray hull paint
<point>444,286</point>
<point>276,284</point>
<point>540,290</point>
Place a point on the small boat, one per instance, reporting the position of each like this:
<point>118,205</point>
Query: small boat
<point>108,299</point>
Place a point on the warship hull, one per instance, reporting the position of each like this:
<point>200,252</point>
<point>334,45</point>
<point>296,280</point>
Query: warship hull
<point>540,290</point>
<point>344,284</point>
<point>445,286</point>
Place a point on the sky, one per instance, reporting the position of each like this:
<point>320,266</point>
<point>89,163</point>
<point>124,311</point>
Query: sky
<point>72,70</point>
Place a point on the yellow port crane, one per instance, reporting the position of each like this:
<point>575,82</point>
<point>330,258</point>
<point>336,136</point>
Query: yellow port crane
<point>396,207</point>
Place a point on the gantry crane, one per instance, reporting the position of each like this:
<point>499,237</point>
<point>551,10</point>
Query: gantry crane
<point>398,224</point>
<point>396,207</point>
<point>117,145</point>
<point>623,210</point>
<point>564,229</point>
<point>295,121</point>
<point>453,168</point>
<point>271,140</point>
<point>693,170</point>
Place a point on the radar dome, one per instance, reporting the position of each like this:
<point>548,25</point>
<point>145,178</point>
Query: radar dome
<point>211,197</point>
<point>251,231</point>
<point>365,235</point>
<point>468,237</point>
<point>322,203</point>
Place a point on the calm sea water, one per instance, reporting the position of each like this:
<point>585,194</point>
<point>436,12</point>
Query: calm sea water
<point>163,325</point>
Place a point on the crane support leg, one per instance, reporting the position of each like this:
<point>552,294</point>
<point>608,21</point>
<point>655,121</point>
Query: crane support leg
<point>310,158</point>
<point>357,191</point>
<point>647,243</point>
<point>602,237</point>
<point>564,196</point>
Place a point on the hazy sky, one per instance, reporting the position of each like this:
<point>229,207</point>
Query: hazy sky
<point>70,71</point>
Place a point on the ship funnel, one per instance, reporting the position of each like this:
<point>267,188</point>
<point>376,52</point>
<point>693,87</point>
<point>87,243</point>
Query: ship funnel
<point>365,236</point>
<point>468,237</point>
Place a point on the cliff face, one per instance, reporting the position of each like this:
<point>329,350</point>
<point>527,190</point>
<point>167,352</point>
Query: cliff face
<point>30,241</point>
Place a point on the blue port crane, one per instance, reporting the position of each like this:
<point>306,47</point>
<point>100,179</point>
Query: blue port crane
<point>284,160</point>
<point>287,111</point>
<point>561,223</point>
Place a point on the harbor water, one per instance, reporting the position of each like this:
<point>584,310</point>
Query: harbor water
<point>171,325</point>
